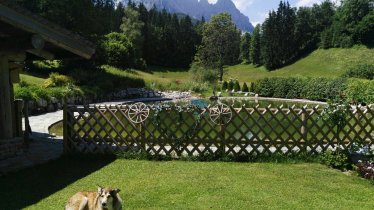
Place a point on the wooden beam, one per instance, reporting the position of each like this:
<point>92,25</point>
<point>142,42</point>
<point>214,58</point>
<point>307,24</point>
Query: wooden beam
<point>16,56</point>
<point>48,31</point>
<point>14,76</point>
<point>13,66</point>
<point>6,118</point>
<point>42,53</point>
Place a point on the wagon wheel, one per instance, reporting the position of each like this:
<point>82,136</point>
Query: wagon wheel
<point>220,114</point>
<point>138,113</point>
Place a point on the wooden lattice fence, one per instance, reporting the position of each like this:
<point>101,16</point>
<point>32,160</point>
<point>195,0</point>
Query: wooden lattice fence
<point>175,131</point>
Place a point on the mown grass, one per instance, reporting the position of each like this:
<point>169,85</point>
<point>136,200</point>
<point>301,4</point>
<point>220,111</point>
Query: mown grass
<point>188,185</point>
<point>320,63</point>
<point>32,79</point>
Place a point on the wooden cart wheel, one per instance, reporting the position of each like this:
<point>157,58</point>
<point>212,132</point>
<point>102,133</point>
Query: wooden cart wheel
<point>220,114</point>
<point>138,113</point>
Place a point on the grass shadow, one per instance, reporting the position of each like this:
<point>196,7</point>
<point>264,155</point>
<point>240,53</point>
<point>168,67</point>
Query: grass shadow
<point>152,69</point>
<point>24,188</point>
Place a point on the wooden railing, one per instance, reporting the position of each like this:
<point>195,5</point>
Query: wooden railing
<point>250,131</point>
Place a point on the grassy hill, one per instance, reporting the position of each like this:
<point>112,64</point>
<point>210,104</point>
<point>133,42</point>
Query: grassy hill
<point>320,63</point>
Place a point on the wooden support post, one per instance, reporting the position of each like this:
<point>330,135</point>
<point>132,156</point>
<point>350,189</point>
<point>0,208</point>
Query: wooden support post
<point>18,106</point>
<point>66,128</point>
<point>27,132</point>
<point>6,118</point>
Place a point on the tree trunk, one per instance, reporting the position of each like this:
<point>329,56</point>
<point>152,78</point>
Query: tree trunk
<point>221,73</point>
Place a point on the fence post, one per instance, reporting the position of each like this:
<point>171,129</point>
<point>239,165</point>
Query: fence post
<point>142,136</point>
<point>304,131</point>
<point>27,132</point>
<point>65,121</point>
<point>223,140</point>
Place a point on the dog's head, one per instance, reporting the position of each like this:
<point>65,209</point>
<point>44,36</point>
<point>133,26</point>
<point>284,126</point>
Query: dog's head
<point>106,196</point>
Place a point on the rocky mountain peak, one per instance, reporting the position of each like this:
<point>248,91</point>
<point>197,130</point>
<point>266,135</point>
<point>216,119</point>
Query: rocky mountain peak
<point>201,8</point>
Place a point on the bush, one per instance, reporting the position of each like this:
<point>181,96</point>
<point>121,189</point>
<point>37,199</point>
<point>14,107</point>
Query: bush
<point>116,50</point>
<point>196,87</point>
<point>236,86</point>
<point>321,89</point>
<point>362,71</point>
<point>264,87</point>
<point>360,91</point>
<point>252,87</point>
<point>201,74</point>
<point>24,93</point>
<point>58,80</point>
<point>366,169</point>
<point>315,89</point>
<point>224,85</point>
<point>335,159</point>
<point>231,84</point>
<point>245,88</point>
<point>105,79</point>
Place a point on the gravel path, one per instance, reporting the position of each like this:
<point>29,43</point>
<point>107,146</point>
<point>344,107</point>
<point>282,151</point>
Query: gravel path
<point>39,124</point>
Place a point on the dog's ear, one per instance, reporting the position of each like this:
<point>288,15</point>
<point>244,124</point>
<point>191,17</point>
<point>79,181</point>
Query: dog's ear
<point>99,190</point>
<point>117,190</point>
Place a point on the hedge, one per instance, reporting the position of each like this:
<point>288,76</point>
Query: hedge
<point>355,91</point>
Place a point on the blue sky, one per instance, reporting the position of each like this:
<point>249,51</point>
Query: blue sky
<point>257,10</point>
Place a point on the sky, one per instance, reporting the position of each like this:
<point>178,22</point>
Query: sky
<point>257,10</point>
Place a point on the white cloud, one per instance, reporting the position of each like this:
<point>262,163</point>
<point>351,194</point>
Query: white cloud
<point>243,4</point>
<point>240,4</point>
<point>307,3</point>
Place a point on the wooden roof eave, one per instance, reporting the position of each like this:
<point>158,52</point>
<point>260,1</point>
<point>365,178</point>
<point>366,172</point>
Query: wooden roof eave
<point>48,31</point>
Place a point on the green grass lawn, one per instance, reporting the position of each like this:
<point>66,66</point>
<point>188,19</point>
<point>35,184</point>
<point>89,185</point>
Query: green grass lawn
<point>32,79</point>
<point>320,63</point>
<point>188,185</point>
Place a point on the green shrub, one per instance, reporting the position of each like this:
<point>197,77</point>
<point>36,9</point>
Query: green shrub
<point>201,74</point>
<point>335,159</point>
<point>24,93</point>
<point>321,89</point>
<point>105,81</point>
<point>23,83</point>
<point>196,87</point>
<point>236,86</point>
<point>252,87</point>
<point>58,80</point>
<point>296,87</point>
<point>360,91</point>
<point>264,87</point>
<point>315,89</point>
<point>245,88</point>
<point>231,84</point>
<point>116,50</point>
<point>362,71</point>
<point>225,85</point>
<point>40,92</point>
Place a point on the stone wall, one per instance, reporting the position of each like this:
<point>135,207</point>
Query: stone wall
<point>10,148</point>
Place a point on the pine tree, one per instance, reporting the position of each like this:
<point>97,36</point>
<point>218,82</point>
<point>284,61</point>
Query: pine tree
<point>236,86</point>
<point>255,50</point>
<point>245,88</point>
<point>220,44</point>
<point>245,45</point>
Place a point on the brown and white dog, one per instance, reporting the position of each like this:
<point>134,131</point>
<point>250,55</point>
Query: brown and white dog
<point>103,199</point>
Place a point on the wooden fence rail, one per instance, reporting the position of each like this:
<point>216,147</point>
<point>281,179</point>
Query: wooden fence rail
<point>250,131</point>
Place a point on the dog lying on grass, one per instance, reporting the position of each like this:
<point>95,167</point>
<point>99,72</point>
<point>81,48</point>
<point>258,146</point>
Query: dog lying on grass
<point>103,199</point>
